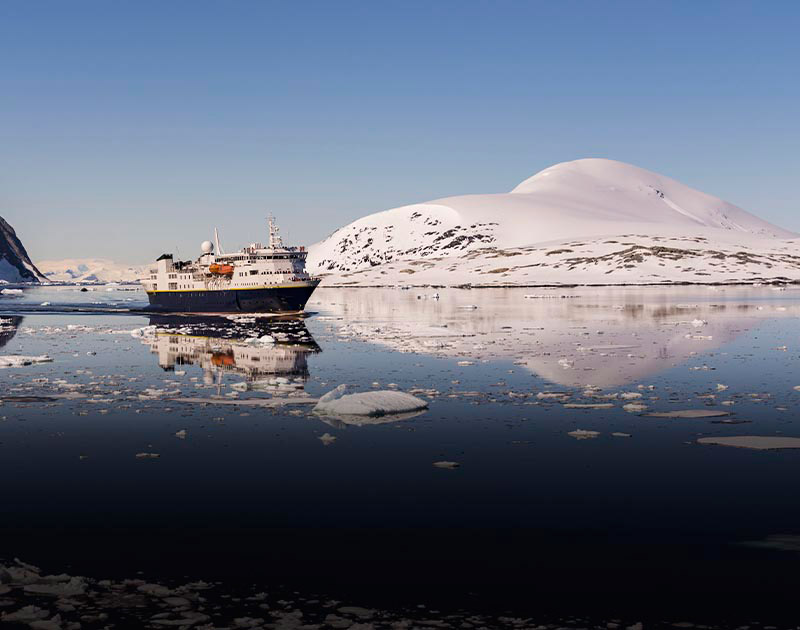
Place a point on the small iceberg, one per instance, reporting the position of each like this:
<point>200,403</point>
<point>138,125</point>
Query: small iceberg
<point>376,403</point>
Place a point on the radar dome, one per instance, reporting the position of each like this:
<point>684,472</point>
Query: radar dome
<point>207,247</point>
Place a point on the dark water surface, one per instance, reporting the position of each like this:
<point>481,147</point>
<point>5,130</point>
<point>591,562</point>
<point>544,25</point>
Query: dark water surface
<point>532,520</point>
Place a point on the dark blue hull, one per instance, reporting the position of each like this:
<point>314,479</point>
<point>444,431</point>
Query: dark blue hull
<point>267,300</point>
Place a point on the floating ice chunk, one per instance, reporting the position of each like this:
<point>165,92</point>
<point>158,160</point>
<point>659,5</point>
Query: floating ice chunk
<point>589,406</point>
<point>757,442</point>
<point>721,387</point>
<point>697,323</point>
<point>45,304</point>
<point>688,413</point>
<point>327,439</point>
<point>783,542</point>
<point>28,614</point>
<point>634,407</point>
<point>379,403</point>
<point>552,395</point>
<point>154,589</point>
<point>447,465</point>
<point>630,395</point>
<point>16,360</point>
<point>69,588</point>
<point>621,435</point>
<point>147,455</point>
<point>583,434</point>
<point>181,435</point>
<point>358,611</point>
<point>11,291</point>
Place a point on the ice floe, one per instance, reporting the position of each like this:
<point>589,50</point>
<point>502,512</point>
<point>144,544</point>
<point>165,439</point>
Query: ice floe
<point>688,413</point>
<point>757,442</point>
<point>12,361</point>
<point>583,434</point>
<point>377,403</point>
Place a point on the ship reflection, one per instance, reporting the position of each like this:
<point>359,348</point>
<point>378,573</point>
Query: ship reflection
<point>9,324</point>
<point>267,355</point>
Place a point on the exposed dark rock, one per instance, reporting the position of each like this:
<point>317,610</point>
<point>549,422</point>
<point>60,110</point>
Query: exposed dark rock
<point>14,254</point>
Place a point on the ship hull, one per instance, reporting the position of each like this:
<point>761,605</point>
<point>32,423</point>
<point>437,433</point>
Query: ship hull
<point>260,300</point>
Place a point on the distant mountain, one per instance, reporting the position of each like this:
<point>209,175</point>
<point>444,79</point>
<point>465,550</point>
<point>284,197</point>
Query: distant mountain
<point>591,221</point>
<point>89,270</point>
<point>15,266</point>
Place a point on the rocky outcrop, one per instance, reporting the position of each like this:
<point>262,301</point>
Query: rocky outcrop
<point>15,265</point>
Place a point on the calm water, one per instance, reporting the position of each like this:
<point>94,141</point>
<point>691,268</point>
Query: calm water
<point>532,519</point>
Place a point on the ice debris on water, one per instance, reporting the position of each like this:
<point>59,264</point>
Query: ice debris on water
<point>688,413</point>
<point>634,407</point>
<point>756,442</point>
<point>65,602</point>
<point>583,434</point>
<point>446,465</point>
<point>12,361</point>
<point>327,439</point>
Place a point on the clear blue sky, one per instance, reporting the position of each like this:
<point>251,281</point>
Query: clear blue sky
<point>130,127</point>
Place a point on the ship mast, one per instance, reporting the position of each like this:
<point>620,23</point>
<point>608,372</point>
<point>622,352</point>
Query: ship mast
<point>216,238</point>
<point>275,241</point>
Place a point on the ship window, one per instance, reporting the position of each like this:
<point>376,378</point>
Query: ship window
<point>254,272</point>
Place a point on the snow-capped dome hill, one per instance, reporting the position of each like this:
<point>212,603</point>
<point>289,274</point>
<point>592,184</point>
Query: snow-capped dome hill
<point>583,202</point>
<point>15,265</point>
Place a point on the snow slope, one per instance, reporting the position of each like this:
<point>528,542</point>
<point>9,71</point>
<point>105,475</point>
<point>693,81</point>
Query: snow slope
<point>587,221</point>
<point>89,270</point>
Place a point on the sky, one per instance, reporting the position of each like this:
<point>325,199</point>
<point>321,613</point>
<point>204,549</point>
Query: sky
<point>131,128</point>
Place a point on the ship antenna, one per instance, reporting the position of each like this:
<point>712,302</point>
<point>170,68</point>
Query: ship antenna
<point>275,241</point>
<point>216,240</point>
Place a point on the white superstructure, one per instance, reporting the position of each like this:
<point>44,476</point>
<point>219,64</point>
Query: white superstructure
<point>256,266</point>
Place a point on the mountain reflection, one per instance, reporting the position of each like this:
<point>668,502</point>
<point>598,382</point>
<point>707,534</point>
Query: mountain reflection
<point>573,337</point>
<point>268,354</point>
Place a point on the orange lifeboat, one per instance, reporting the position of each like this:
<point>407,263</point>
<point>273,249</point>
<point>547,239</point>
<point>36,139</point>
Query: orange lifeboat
<point>223,359</point>
<point>222,270</point>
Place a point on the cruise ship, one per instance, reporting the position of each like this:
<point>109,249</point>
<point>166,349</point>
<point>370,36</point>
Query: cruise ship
<point>256,279</point>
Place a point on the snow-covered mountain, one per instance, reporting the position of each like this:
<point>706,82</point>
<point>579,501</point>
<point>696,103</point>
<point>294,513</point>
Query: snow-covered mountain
<point>98,270</point>
<point>590,221</point>
<point>15,265</point>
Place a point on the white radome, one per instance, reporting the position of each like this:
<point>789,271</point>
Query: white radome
<point>207,247</point>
